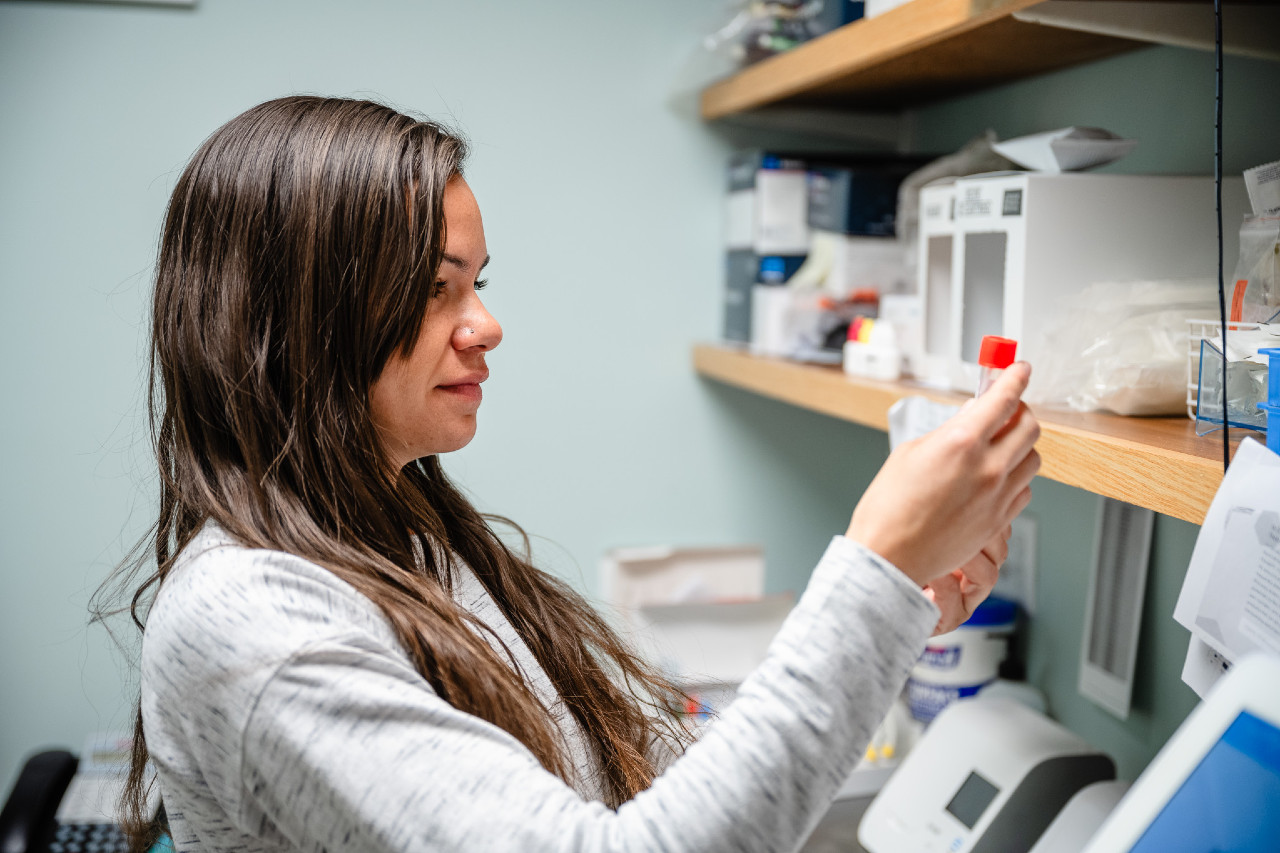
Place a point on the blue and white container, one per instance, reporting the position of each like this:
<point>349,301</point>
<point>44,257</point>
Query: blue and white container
<point>959,664</point>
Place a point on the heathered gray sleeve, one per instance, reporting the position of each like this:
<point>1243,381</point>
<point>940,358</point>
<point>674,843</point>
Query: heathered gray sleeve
<point>347,749</point>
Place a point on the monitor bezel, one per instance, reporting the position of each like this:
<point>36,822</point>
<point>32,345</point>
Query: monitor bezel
<point>1251,685</point>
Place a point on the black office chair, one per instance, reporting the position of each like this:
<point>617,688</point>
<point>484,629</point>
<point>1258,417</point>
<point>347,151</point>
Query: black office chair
<point>27,822</point>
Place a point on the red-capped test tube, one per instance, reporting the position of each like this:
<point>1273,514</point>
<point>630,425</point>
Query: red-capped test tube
<point>995,355</point>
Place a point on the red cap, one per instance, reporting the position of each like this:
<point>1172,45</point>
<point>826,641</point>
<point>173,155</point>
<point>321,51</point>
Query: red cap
<point>997,352</point>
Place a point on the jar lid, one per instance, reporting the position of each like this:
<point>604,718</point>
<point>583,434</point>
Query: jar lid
<point>993,611</point>
<point>997,352</point>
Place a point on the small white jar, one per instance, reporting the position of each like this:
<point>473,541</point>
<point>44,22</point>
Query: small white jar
<point>958,664</point>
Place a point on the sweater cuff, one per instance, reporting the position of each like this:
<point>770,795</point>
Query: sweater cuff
<point>849,552</point>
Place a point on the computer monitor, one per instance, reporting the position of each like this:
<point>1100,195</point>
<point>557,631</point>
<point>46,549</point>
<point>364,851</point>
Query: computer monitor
<point>1216,784</point>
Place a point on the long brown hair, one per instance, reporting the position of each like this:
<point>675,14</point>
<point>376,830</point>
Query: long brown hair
<point>298,255</point>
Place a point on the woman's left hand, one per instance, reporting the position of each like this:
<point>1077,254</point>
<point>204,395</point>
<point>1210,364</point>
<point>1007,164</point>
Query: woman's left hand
<point>959,593</point>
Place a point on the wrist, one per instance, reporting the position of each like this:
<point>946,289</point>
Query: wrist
<point>886,549</point>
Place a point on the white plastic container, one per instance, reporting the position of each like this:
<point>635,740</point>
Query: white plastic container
<point>959,664</point>
<point>878,358</point>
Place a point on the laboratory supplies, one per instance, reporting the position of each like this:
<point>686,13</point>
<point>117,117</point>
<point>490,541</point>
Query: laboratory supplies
<point>988,775</point>
<point>1263,185</point>
<point>995,354</point>
<point>1122,347</point>
<point>1022,246</point>
<point>871,352</point>
<point>758,30</point>
<point>766,237</point>
<point>839,264</point>
<point>1246,388</point>
<point>1068,149</point>
<point>857,198</point>
<point>1216,782</point>
<point>744,270</point>
<point>1246,372</point>
<point>931,361</point>
<point>1255,297</point>
<point>975,157</point>
<point>767,204</point>
<point>773,307</point>
<point>958,664</point>
<point>1272,405</point>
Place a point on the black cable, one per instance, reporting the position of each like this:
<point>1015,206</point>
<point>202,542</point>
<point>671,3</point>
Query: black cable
<point>1217,185</point>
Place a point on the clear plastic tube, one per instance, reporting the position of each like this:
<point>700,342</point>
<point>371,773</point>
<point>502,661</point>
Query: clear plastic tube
<point>987,378</point>
<point>994,356</point>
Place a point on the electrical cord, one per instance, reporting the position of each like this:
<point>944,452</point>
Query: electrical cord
<point>1217,186</point>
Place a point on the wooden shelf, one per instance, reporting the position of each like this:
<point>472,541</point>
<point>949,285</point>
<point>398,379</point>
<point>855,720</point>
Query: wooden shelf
<point>921,51</point>
<point>1158,463</point>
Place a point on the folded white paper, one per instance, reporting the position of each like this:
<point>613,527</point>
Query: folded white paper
<point>1068,149</point>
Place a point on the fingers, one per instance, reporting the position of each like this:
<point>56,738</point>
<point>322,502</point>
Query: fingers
<point>982,572</point>
<point>1021,476</point>
<point>1017,438</point>
<point>945,593</point>
<point>990,412</point>
<point>1019,503</point>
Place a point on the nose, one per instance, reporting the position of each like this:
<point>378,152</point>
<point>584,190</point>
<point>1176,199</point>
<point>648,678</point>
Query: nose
<point>477,329</point>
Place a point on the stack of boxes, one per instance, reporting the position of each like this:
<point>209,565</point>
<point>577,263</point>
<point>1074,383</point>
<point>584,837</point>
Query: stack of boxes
<point>778,207</point>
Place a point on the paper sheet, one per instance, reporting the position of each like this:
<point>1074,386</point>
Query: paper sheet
<point>1203,667</point>
<point>1263,185</point>
<point>1230,599</point>
<point>1068,149</point>
<point>912,417</point>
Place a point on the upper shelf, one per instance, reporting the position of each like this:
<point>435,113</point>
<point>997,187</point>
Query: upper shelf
<point>1157,463</point>
<point>919,51</point>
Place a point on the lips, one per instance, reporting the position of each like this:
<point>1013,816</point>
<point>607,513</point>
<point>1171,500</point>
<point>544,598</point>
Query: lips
<point>467,387</point>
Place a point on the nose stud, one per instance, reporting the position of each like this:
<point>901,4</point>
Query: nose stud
<point>468,330</point>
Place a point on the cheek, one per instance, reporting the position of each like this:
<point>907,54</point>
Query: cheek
<point>386,394</point>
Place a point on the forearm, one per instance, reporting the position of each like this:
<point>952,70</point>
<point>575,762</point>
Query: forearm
<point>406,771</point>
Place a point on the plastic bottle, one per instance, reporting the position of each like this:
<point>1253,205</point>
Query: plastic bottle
<point>958,664</point>
<point>995,355</point>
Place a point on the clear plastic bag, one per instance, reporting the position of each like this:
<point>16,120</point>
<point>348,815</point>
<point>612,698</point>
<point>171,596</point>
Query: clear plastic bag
<point>1256,295</point>
<point>1122,347</point>
<point>759,29</point>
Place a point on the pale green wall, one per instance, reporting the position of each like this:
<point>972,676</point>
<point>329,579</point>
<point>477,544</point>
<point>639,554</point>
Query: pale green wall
<point>603,215</point>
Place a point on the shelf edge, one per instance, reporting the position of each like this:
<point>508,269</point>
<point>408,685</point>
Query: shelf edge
<point>851,49</point>
<point>1168,481</point>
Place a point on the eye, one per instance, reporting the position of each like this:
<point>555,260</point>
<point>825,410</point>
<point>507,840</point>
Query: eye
<point>438,288</point>
<point>481,285</point>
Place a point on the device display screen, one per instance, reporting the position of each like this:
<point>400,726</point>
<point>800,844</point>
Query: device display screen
<point>1229,801</point>
<point>972,799</point>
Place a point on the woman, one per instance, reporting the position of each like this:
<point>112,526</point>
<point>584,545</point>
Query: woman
<point>341,654</point>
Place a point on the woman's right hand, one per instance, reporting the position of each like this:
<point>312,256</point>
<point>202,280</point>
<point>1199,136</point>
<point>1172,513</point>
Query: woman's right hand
<point>940,498</point>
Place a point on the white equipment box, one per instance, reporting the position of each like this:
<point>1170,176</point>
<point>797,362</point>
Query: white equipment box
<point>988,776</point>
<point>1005,253</point>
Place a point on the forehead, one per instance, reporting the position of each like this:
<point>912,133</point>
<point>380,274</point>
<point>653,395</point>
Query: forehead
<point>464,241</point>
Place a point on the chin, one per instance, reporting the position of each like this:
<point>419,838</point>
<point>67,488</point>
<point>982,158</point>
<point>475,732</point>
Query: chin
<point>455,442</point>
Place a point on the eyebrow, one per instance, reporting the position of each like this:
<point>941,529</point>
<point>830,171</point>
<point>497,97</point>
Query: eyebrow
<point>462,264</point>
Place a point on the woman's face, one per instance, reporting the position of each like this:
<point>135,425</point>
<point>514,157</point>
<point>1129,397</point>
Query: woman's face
<point>426,402</point>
